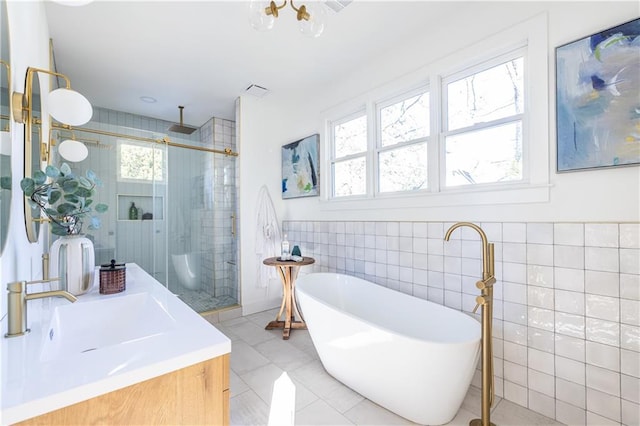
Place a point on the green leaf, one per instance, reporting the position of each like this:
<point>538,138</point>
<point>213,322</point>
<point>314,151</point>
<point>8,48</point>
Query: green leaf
<point>39,177</point>
<point>28,186</point>
<point>83,192</point>
<point>101,208</point>
<point>58,230</point>
<point>51,212</point>
<point>54,196</point>
<point>5,182</point>
<point>65,208</point>
<point>70,186</point>
<point>72,198</point>
<point>87,202</point>
<point>65,169</point>
<point>84,182</point>
<point>52,171</point>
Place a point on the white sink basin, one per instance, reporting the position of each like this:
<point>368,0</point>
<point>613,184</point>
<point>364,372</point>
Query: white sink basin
<point>80,327</point>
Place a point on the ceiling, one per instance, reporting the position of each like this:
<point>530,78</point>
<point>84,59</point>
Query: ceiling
<point>204,54</point>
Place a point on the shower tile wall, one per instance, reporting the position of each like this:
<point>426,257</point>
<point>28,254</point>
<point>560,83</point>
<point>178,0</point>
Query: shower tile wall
<point>567,301</point>
<point>221,181</point>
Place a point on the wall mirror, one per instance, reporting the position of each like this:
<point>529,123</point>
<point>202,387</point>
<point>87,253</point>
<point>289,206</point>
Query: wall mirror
<point>5,127</point>
<point>32,153</point>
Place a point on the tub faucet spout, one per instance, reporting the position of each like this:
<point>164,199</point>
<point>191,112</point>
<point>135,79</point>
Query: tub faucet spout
<point>485,300</point>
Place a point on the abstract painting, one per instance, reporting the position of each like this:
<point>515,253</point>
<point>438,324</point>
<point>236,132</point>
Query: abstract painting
<point>598,100</point>
<point>300,168</point>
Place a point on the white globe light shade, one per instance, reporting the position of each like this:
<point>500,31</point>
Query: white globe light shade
<point>317,19</point>
<point>69,107</point>
<point>258,17</point>
<point>73,151</point>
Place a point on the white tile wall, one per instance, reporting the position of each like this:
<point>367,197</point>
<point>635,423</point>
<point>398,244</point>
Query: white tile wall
<point>566,308</point>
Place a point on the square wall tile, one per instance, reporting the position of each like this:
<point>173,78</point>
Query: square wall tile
<point>570,347</point>
<point>542,404</point>
<point>603,380</point>
<point>570,325</point>
<point>630,286</point>
<point>603,307</point>
<point>603,331</point>
<point>540,233</point>
<point>571,302</point>
<point>630,413</point>
<point>602,355</point>
<point>569,279</point>
<point>541,361</point>
<point>602,283</point>
<point>570,370</point>
<point>601,234</point>
<point>569,256</point>
<point>541,382</point>
<point>630,261</point>
<point>571,392</point>
<point>601,259</point>
<point>569,234</point>
<point>603,404</point>
<point>540,254</point>
<point>630,362</point>
<point>630,312</point>
<point>630,235</point>
<point>630,337</point>
<point>514,232</point>
<point>570,414</point>
<point>541,276</point>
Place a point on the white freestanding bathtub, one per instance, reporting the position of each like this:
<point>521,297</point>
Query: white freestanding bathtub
<point>411,356</point>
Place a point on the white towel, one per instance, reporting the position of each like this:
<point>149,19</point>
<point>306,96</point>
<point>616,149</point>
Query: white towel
<point>267,236</point>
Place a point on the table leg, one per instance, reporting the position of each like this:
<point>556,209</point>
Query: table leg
<point>289,305</point>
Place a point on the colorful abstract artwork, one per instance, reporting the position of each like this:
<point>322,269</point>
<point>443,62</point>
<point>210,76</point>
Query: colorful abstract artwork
<point>300,168</point>
<point>598,99</point>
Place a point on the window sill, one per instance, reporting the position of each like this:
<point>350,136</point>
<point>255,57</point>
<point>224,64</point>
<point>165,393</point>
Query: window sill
<point>512,194</point>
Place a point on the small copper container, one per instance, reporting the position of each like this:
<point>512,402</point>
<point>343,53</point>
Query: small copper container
<point>112,277</point>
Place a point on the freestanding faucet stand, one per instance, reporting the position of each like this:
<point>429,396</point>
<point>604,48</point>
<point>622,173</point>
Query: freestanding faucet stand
<point>485,300</point>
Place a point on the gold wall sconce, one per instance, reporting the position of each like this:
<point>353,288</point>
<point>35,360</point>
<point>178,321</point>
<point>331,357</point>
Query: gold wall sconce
<point>311,17</point>
<point>64,105</point>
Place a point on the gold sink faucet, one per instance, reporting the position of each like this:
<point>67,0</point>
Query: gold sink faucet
<point>17,304</point>
<point>485,285</point>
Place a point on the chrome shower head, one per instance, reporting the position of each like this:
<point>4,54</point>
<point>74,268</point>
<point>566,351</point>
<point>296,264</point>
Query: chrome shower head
<point>181,128</point>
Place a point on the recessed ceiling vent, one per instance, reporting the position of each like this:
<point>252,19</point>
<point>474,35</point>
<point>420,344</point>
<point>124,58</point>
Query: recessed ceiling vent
<point>257,91</point>
<point>337,5</point>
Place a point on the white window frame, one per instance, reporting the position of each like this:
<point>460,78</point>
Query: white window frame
<point>532,37</point>
<point>360,112</point>
<point>421,89</point>
<point>520,52</point>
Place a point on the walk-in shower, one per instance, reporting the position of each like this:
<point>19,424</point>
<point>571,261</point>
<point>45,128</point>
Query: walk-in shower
<point>172,202</point>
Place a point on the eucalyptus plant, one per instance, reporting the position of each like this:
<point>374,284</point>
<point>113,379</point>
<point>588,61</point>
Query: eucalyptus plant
<point>65,198</point>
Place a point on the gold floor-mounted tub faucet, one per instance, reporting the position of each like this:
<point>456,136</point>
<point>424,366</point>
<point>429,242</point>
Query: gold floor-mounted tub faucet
<point>17,304</point>
<point>485,300</point>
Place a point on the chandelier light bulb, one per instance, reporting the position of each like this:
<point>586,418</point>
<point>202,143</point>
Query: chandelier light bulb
<point>258,17</point>
<point>313,20</point>
<point>69,107</point>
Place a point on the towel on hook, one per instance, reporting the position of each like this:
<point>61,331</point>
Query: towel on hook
<point>267,236</point>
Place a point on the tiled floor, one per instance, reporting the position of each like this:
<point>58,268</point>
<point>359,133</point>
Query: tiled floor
<point>263,366</point>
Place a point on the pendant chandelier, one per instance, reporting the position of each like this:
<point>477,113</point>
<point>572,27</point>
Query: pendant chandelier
<point>311,17</point>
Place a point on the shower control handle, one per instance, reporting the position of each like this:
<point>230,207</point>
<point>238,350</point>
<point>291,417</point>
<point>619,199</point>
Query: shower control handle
<point>480,300</point>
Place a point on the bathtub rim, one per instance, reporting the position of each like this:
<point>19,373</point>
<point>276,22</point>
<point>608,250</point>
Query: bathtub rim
<point>382,327</point>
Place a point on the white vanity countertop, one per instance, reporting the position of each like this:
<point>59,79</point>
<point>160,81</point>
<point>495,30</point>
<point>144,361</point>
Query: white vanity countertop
<point>34,382</point>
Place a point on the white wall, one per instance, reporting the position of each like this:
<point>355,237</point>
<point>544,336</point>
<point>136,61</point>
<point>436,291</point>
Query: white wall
<point>29,42</point>
<point>611,195</point>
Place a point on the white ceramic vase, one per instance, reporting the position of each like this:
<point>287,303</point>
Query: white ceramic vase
<point>73,261</point>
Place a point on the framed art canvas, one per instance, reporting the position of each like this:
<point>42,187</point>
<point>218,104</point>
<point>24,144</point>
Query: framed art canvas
<point>597,99</point>
<point>300,175</point>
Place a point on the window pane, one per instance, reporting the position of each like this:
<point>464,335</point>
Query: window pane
<point>350,137</point>
<point>405,121</point>
<point>488,95</point>
<point>138,162</point>
<point>403,169</point>
<point>350,177</point>
<point>485,156</point>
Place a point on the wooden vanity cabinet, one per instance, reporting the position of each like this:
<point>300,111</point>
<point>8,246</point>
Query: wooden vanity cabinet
<point>194,395</point>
